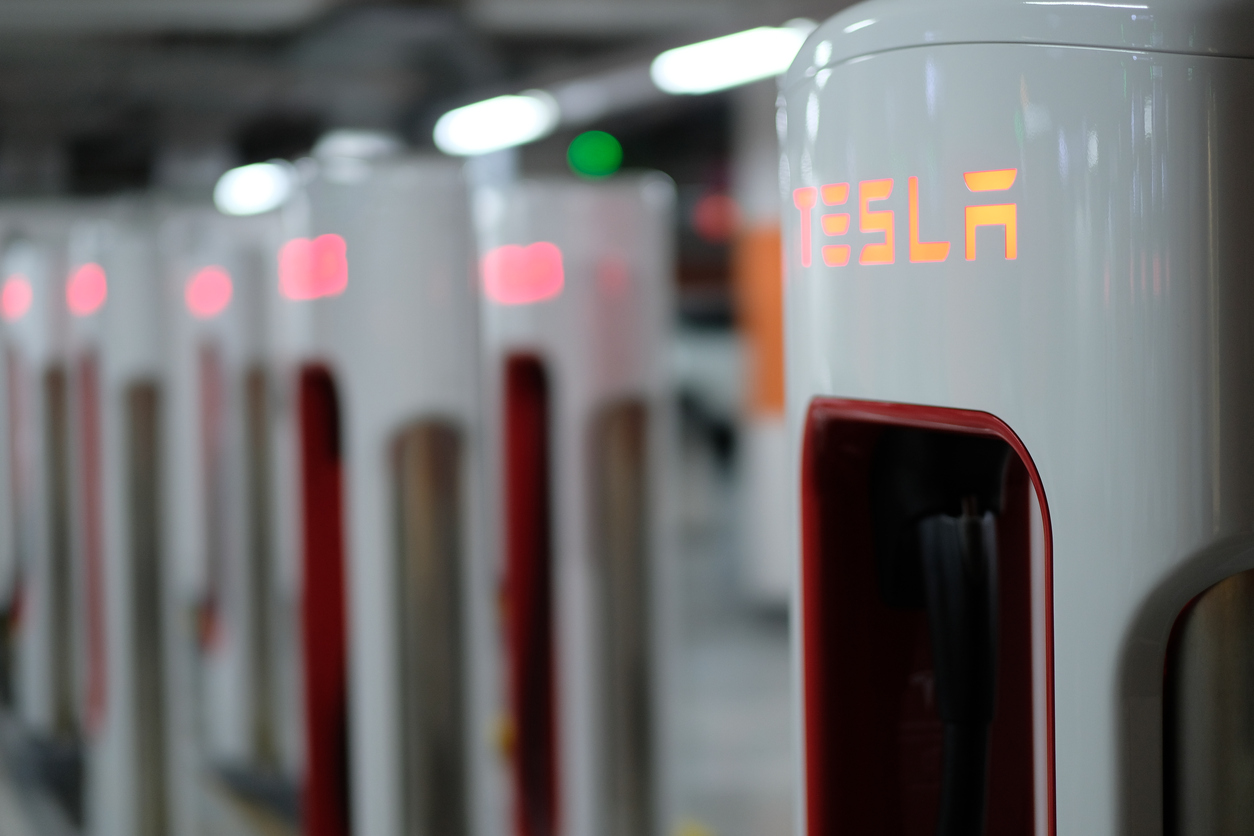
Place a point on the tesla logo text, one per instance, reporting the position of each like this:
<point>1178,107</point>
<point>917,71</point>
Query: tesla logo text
<point>514,275</point>
<point>882,222</point>
<point>312,269</point>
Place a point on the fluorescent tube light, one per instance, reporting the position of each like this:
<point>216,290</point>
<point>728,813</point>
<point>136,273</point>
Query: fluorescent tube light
<point>252,189</point>
<point>729,61</point>
<point>496,124</point>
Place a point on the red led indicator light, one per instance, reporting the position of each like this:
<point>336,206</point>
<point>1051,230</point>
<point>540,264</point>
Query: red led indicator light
<point>208,292</point>
<point>514,275</point>
<point>86,290</point>
<point>16,297</point>
<point>313,269</point>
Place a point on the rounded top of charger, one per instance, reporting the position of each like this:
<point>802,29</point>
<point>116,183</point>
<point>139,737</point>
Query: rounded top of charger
<point>1221,28</point>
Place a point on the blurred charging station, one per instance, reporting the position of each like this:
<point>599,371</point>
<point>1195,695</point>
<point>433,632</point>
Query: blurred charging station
<point>1017,307</point>
<point>576,281</point>
<point>217,272</point>
<point>113,293</point>
<point>389,396</point>
<point>37,477</point>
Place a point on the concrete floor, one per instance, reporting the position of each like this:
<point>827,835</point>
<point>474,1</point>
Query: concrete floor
<point>14,816</point>
<point>26,810</point>
<point>732,748</point>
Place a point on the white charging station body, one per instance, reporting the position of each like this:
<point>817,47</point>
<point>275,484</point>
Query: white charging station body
<point>116,353</point>
<point>399,337</point>
<point>35,354</point>
<point>235,670</point>
<point>576,279</point>
<point>1038,211</point>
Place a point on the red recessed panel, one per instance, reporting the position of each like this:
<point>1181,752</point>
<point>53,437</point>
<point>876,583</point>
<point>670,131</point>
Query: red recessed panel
<point>529,596</point>
<point>323,613</point>
<point>873,740</point>
<point>212,390</point>
<point>93,538</point>
<point>16,388</point>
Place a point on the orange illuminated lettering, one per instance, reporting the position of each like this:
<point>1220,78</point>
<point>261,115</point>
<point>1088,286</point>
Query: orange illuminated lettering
<point>835,194</point>
<point>836,223</point>
<point>991,181</point>
<point>804,199</point>
<point>1001,214</point>
<point>881,221</point>
<point>922,250</point>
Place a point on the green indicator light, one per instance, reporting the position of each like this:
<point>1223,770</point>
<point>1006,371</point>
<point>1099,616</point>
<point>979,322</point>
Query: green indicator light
<point>594,154</point>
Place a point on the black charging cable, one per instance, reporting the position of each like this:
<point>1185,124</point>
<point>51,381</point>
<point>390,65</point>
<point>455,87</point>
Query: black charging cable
<point>935,499</point>
<point>959,563</point>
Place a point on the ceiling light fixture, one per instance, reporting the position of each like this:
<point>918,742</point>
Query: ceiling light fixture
<point>729,61</point>
<point>253,189</point>
<point>496,124</point>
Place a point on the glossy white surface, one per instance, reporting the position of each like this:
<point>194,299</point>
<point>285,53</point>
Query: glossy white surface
<point>602,340</point>
<point>193,238</point>
<point>36,341</point>
<point>126,337</point>
<point>215,706</point>
<point>402,342</point>
<point>1202,27</point>
<point>1116,344</point>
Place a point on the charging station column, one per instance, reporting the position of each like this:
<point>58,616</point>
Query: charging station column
<point>1016,307</point>
<point>575,280</point>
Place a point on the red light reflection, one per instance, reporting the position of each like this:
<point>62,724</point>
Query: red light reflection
<point>613,276</point>
<point>208,292</point>
<point>312,269</point>
<point>715,217</point>
<point>86,290</point>
<point>16,297</point>
<point>514,275</point>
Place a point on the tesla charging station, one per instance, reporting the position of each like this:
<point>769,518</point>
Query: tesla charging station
<point>389,394</point>
<point>113,293</point>
<point>1019,353</point>
<point>576,279</point>
<point>37,442</point>
<point>217,272</point>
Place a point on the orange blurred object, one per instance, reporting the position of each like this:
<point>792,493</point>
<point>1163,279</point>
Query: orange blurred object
<point>757,276</point>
